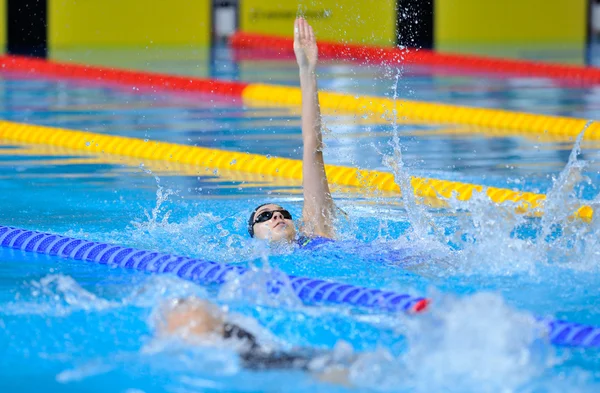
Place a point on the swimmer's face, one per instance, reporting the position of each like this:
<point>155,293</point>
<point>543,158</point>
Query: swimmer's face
<point>276,229</point>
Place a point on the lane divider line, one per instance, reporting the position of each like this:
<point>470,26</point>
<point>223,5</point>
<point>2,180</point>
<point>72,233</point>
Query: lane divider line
<point>449,61</point>
<point>311,291</point>
<point>375,107</point>
<point>207,273</point>
<point>42,154</point>
<point>481,118</point>
<point>138,79</point>
<point>426,188</point>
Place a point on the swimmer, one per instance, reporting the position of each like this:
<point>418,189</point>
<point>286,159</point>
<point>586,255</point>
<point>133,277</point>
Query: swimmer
<point>198,321</point>
<point>272,222</point>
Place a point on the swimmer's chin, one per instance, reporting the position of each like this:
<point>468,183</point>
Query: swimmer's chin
<point>281,244</point>
<point>281,235</point>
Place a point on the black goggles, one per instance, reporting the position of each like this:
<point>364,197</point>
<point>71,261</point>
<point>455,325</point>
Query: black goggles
<point>267,215</point>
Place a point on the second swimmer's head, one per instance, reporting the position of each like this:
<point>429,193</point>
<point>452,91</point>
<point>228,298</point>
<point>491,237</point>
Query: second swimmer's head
<point>271,222</point>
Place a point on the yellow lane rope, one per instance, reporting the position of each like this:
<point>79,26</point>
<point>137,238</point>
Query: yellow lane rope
<point>257,164</point>
<point>402,110</point>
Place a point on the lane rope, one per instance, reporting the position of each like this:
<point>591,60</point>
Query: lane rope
<point>426,188</point>
<point>448,62</point>
<point>139,79</point>
<point>502,121</point>
<point>311,291</point>
<point>371,106</point>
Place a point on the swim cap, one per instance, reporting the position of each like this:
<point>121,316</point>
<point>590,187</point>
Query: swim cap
<point>251,219</point>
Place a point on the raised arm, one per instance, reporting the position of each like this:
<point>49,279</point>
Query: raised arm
<point>318,211</point>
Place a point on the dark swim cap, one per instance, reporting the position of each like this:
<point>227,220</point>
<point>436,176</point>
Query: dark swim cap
<point>251,219</point>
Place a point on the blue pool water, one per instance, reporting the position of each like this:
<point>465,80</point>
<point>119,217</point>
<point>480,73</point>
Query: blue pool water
<point>74,326</point>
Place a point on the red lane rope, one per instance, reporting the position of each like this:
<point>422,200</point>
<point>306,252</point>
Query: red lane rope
<point>142,79</point>
<point>374,54</point>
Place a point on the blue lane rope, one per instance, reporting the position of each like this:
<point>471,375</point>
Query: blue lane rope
<point>203,272</point>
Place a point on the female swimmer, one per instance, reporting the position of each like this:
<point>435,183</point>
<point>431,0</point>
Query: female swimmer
<point>272,222</point>
<point>198,321</point>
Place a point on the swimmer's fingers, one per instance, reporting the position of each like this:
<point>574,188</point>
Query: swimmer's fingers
<point>303,28</point>
<point>296,29</point>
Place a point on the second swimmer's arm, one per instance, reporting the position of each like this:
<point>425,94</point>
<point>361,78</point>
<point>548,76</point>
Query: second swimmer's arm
<point>318,203</point>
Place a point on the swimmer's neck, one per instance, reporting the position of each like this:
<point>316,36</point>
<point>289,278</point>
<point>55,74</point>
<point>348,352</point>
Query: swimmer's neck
<point>281,245</point>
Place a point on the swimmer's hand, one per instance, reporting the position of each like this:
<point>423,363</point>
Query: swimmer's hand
<point>305,45</point>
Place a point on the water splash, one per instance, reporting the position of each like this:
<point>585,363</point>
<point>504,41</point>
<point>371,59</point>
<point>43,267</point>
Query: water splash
<point>570,242</point>
<point>479,343</point>
<point>486,238</point>
<point>557,206</point>
<point>264,286</point>
<point>87,370</point>
<point>57,295</point>
<point>159,287</point>
<point>158,215</point>
<point>496,240</point>
<point>61,295</point>
<point>473,344</point>
<point>378,370</point>
<point>204,235</point>
<point>586,243</point>
<point>420,220</point>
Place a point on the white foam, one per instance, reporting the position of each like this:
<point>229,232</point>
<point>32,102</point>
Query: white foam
<point>159,287</point>
<point>58,295</point>
<point>264,286</point>
<point>84,371</point>
<point>471,344</point>
<point>487,241</point>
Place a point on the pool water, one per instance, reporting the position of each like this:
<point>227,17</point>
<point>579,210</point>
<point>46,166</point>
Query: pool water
<point>75,326</point>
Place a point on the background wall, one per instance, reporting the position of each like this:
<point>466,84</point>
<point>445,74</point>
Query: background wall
<point>73,23</point>
<point>538,22</point>
<point>358,21</point>
<point>3,26</point>
<point>454,25</point>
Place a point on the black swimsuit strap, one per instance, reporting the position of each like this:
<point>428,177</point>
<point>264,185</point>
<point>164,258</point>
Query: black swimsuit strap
<point>231,330</point>
<point>256,357</point>
<point>262,360</point>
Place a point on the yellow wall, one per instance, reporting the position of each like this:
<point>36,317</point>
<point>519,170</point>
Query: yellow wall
<point>510,22</point>
<point>358,21</point>
<point>84,23</point>
<point>3,26</point>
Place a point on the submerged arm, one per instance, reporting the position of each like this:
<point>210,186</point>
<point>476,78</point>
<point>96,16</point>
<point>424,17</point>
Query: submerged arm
<point>318,208</point>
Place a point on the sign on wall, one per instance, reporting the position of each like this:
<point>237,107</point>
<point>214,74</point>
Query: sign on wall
<point>357,21</point>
